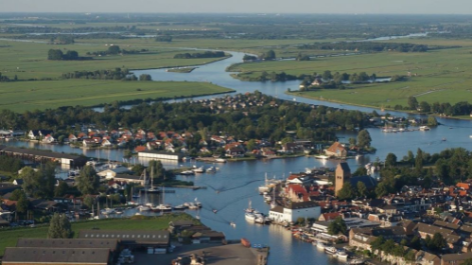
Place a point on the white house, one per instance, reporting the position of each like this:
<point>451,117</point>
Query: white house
<point>291,212</point>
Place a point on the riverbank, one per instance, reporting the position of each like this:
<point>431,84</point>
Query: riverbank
<point>184,65</point>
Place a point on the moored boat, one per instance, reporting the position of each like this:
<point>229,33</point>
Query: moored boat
<point>356,262</point>
<point>187,172</point>
<point>180,207</point>
<point>250,217</point>
<point>330,250</point>
<point>320,245</point>
<point>341,254</point>
<point>199,170</point>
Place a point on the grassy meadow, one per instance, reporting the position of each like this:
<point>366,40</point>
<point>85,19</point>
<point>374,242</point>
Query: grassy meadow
<point>438,75</point>
<point>10,237</point>
<point>32,95</point>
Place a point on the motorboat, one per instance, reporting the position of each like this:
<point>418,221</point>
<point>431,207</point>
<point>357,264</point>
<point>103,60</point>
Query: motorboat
<point>320,245</point>
<point>162,208</point>
<point>107,211</point>
<point>356,262</point>
<point>424,128</point>
<point>180,207</point>
<point>220,160</point>
<point>144,208</point>
<point>215,211</point>
<point>250,217</point>
<point>341,254</point>
<point>211,169</point>
<point>331,250</point>
<point>321,156</point>
<point>199,170</point>
<point>187,172</point>
<point>192,206</point>
<point>232,224</point>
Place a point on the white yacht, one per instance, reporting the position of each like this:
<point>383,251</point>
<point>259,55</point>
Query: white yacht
<point>320,245</point>
<point>341,254</point>
<point>211,169</point>
<point>187,172</point>
<point>250,217</point>
<point>199,170</point>
<point>144,208</point>
<point>424,128</point>
<point>330,250</point>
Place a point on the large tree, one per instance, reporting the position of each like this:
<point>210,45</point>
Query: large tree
<point>337,226</point>
<point>364,139</point>
<point>60,227</point>
<point>347,192</point>
<point>88,181</point>
<point>390,160</point>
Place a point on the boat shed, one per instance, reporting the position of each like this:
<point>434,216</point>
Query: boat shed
<point>158,155</point>
<point>43,256</point>
<point>37,155</point>
<point>132,239</point>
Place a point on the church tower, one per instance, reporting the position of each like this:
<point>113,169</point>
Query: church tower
<point>341,175</point>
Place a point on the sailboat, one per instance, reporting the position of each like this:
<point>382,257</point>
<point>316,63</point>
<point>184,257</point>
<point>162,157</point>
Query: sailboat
<point>162,207</point>
<point>264,188</point>
<point>249,208</point>
<point>144,207</point>
<point>153,189</point>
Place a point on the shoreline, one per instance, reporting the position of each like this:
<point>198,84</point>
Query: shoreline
<point>300,94</point>
<point>169,67</point>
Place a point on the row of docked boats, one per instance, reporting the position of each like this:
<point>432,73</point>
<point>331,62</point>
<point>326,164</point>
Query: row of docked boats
<point>198,170</point>
<point>149,207</point>
<point>340,254</point>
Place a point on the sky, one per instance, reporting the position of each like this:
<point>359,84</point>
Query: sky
<point>243,6</point>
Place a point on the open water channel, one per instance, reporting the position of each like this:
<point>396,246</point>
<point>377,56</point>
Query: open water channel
<point>230,188</point>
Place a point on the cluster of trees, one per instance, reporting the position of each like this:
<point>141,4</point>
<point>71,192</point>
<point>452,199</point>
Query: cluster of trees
<point>115,74</point>
<point>164,39</point>
<point>115,50</point>
<point>337,226</point>
<point>448,167</point>
<point>60,227</point>
<point>206,54</point>
<point>389,247</point>
<point>366,46</point>
<point>264,76</point>
<point>62,40</point>
<point>4,78</point>
<point>458,109</point>
<point>302,57</point>
<point>58,55</point>
<point>10,164</point>
<point>249,58</point>
<point>268,55</point>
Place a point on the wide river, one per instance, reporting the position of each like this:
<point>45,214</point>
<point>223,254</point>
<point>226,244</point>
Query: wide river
<point>238,182</point>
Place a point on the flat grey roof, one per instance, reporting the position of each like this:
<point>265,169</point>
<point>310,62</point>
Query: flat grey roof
<point>56,255</point>
<point>67,243</point>
<point>138,236</point>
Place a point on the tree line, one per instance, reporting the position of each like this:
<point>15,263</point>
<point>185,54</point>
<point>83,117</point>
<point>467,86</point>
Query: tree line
<point>445,108</point>
<point>206,54</point>
<point>58,55</point>
<point>368,46</point>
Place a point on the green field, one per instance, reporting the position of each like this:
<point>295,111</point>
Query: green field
<point>10,237</point>
<point>31,95</point>
<point>29,60</point>
<point>438,75</point>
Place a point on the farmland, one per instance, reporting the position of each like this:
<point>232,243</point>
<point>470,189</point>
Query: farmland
<point>436,76</point>
<point>32,95</point>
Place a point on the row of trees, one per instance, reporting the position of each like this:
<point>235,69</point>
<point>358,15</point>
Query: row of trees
<point>58,55</point>
<point>206,54</point>
<point>458,109</point>
<point>366,46</point>
<point>115,74</point>
<point>4,78</point>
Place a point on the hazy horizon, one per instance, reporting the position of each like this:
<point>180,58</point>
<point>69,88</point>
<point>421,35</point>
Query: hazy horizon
<point>362,7</point>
